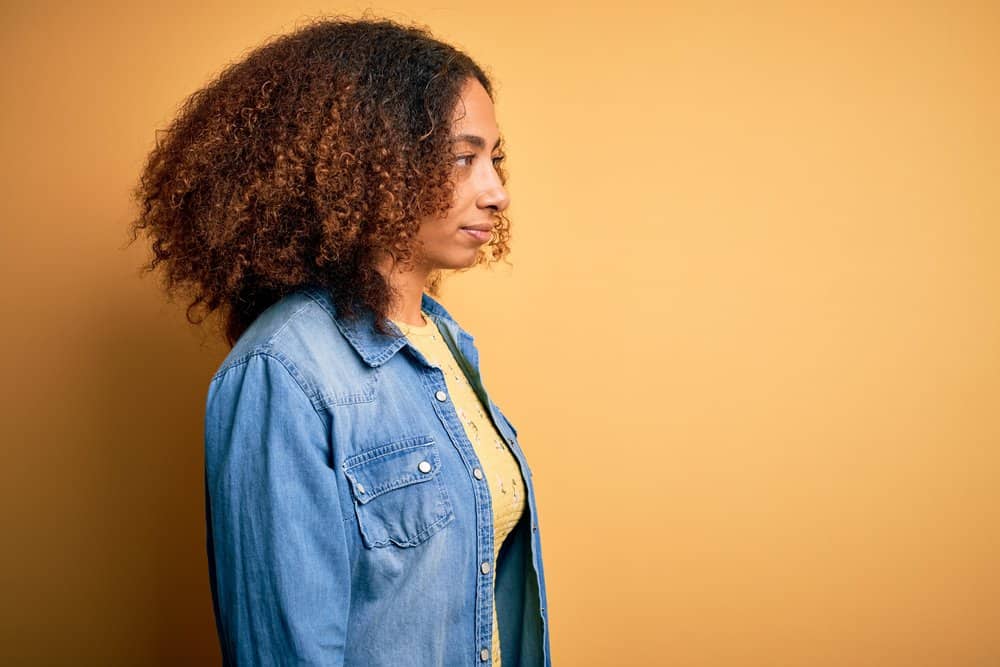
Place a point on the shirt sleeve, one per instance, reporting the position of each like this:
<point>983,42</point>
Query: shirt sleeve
<point>277,548</point>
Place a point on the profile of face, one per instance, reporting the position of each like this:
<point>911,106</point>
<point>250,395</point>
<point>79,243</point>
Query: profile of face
<point>453,241</point>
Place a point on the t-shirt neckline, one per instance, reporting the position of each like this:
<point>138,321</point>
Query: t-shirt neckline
<point>428,329</point>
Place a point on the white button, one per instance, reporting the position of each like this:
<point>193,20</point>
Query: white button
<point>441,396</point>
<point>478,473</point>
<point>484,655</point>
<point>361,489</point>
<point>485,567</point>
<point>424,466</point>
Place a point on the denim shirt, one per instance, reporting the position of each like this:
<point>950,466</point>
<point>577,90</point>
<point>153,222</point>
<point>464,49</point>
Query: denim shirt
<point>345,524</point>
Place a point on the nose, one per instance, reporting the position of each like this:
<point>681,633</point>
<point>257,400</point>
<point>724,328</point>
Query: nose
<point>492,193</point>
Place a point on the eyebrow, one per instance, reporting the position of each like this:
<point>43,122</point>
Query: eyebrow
<point>473,139</point>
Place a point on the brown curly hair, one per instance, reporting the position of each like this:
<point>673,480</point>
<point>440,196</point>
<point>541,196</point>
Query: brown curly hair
<point>300,164</point>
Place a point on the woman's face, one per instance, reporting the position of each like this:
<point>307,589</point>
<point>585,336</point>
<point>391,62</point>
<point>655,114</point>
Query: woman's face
<point>452,242</point>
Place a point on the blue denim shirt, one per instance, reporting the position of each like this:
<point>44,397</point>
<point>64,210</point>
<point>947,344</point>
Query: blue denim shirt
<point>345,525</point>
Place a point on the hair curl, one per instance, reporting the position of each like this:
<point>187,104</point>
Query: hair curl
<point>300,164</point>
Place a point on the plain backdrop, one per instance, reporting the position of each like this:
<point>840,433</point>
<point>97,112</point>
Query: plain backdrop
<point>748,332</point>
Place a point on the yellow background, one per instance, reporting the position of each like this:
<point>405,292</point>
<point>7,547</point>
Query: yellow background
<point>749,334</point>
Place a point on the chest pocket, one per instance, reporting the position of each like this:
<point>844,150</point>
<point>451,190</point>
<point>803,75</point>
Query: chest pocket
<point>399,495</point>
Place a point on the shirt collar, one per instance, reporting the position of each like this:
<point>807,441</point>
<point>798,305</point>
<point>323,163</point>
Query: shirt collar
<point>373,347</point>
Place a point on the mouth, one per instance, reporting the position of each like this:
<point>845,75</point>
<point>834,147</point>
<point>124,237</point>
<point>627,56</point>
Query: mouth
<point>481,226</point>
<point>481,233</point>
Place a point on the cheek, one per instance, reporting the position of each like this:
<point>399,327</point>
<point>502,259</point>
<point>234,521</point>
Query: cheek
<point>463,197</point>
<point>438,231</point>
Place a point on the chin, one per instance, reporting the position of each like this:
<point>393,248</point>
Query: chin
<point>464,260</point>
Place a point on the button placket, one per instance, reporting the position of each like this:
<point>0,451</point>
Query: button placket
<point>443,396</point>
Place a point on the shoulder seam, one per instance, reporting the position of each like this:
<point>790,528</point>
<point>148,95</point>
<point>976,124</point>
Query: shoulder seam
<point>318,406</point>
<point>263,347</point>
<point>284,324</point>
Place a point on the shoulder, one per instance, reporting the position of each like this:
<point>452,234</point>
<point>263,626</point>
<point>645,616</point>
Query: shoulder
<point>299,333</point>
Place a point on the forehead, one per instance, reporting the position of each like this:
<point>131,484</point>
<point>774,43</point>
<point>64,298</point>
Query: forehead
<point>474,113</point>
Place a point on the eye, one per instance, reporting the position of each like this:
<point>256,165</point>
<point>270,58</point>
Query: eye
<point>498,159</point>
<point>469,158</point>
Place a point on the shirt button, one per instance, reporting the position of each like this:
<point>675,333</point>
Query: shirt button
<point>484,655</point>
<point>424,466</point>
<point>485,567</point>
<point>361,489</point>
<point>477,473</point>
<point>441,396</point>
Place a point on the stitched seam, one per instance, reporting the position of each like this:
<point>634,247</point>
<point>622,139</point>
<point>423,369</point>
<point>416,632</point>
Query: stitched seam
<point>379,451</point>
<point>287,321</point>
<point>420,536</point>
<point>262,353</point>
<point>372,494</point>
<point>399,482</point>
<point>262,347</point>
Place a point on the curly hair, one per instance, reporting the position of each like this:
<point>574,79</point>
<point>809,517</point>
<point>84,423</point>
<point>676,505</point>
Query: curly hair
<point>301,163</point>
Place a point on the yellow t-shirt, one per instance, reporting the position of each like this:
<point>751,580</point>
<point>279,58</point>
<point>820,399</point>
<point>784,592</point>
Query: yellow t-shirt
<point>499,467</point>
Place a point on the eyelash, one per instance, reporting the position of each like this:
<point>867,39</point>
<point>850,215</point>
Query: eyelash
<point>496,161</point>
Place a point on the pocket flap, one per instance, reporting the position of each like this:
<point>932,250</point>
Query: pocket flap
<point>400,463</point>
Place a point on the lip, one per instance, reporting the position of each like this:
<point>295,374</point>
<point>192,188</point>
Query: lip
<point>482,226</point>
<point>481,231</point>
<point>481,235</point>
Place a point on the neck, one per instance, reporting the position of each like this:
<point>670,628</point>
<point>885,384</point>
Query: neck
<point>408,285</point>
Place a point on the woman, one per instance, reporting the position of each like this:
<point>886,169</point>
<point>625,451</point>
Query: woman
<point>367,503</point>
